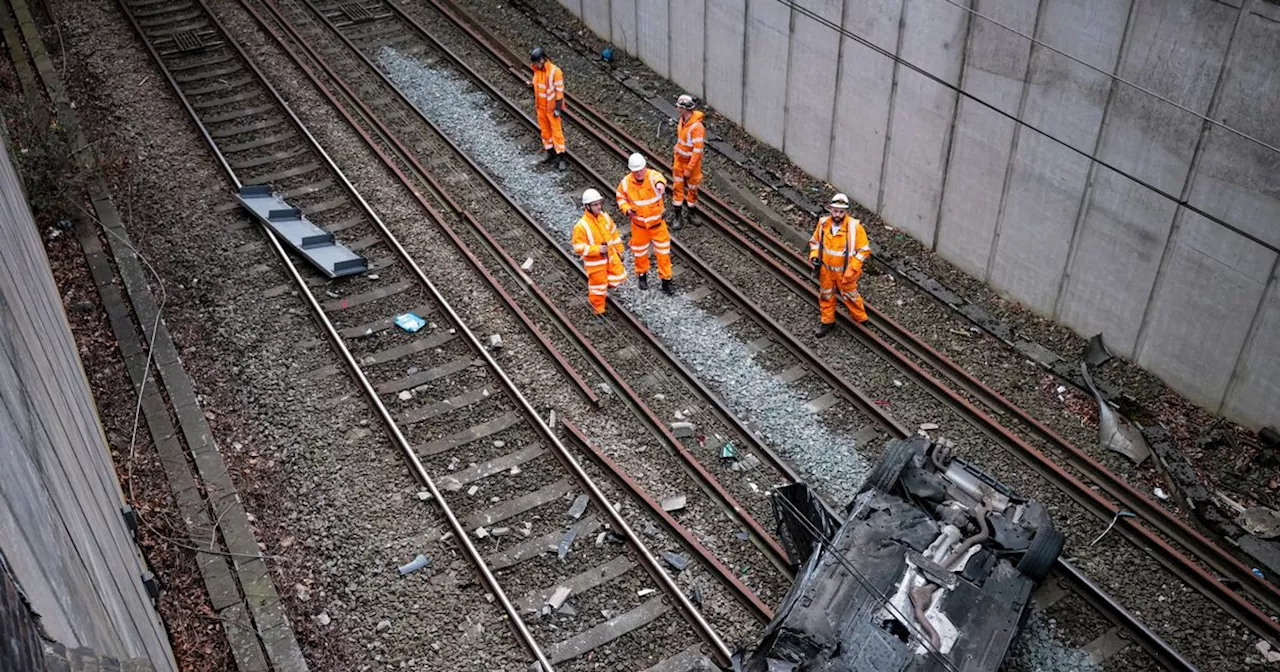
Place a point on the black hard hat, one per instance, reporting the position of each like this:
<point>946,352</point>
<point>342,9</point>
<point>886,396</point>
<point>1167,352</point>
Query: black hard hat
<point>537,54</point>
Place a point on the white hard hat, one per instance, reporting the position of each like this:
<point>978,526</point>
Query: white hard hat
<point>591,196</point>
<point>636,162</point>
<point>840,201</point>
<point>685,101</point>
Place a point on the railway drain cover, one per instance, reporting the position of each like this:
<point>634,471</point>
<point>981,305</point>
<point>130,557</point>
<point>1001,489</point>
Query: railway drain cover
<point>188,40</point>
<point>356,12</point>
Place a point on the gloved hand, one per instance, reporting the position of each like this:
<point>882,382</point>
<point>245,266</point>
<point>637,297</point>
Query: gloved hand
<point>555,112</point>
<point>817,266</point>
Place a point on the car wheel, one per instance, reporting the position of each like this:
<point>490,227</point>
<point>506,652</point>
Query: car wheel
<point>1041,555</point>
<point>897,454</point>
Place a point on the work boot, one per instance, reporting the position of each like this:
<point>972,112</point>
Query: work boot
<point>691,216</point>
<point>644,281</point>
<point>666,286</point>
<point>678,220</point>
<point>551,156</point>
<point>601,319</point>
<point>823,329</point>
<point>560,164</point>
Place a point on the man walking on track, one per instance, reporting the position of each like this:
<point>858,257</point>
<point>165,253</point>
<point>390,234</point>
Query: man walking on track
<point>596,240</point>
<point>686,167</point>
<point>548,88</point>
<point>640,198</point>
<point>837,250</point>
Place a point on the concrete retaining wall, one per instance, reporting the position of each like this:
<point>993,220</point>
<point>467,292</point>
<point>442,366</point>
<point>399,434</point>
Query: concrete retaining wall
<point>61,531</point>
<point>1021,205</point>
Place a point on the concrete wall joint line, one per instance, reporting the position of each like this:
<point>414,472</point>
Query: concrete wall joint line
<point>893,95</point>
<point>1251,336</point>
<point>1082,211</point>
<point>835,99</point>
<point>1180,212</point>
<point>951,129</point>
<point>1013,146</point>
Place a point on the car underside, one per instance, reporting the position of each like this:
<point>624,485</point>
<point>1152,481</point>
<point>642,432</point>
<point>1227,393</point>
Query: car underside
<point>931,569</point>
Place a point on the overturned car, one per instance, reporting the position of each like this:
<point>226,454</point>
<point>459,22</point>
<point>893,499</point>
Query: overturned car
<point>932,569</point>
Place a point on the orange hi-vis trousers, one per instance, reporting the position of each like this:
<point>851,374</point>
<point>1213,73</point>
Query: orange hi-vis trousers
<point>661,239</point>
<point>602,276</point>
<point>685,191</point>
<point>552,130</point>
<point>843,286</point>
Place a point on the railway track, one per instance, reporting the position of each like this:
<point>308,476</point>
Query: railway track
<point>431,386</point>
<point>836,390</point>
<point>406,37</point>
<point>1072,470</point>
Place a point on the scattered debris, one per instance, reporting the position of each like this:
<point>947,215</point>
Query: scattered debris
<point>645,592</point>
<point>323,619</point>
<point>473,490</point>
<point>1159,492</point>
<point>1114,431</point>
<point>495,341</point>
<point>302,592</point>
<point>415,564</point>
<point>679,562</point>
<point>749,462</point>
<point>481,533</point>
<point>514,471</point>
<point>557,598</point>
<point>897,383</point>
<point>743,536</point>
<point>1096,353</point>
<point>579,506</point>
<point>383,626</point>
<point>567,610</point>
<point>729,451</point>
<point>405,395</point>
<point>551,419</point>
<point>424,495</point>
<point>410,322</point>
<point>1268,654</point>
<point>499,531</point>
<point>600,538</point>
<point>528,264</point>
<point>451,484</point>
<point>566,541</point>
<point>673,503</point>
<point>928,426</point>
<point>683,430</point>
<point>499,443</point>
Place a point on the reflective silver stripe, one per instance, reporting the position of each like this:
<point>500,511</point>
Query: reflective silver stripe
<point>834,253</point>
<point>617,278</point>
<point>677,179</point>
<point>650,218</point>
<point>697,150</point>
<point>863,253</point>
<point>594,262</point>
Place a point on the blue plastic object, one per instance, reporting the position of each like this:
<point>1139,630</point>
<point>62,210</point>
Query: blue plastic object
<point>410,322</point>
<point>607,54</point>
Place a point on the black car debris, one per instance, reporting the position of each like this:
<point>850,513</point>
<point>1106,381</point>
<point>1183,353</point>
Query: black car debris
<point>931,569</point>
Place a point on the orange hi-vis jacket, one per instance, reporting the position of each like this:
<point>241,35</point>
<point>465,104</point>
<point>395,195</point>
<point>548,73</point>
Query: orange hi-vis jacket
<point>642,197</point>
<point>842,251</point>
<point>590,233</point>
<point>690,139</point>
<point>548,86</point>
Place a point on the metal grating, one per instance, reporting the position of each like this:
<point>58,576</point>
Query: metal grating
<point>356,12</point>
<point>188,40</point>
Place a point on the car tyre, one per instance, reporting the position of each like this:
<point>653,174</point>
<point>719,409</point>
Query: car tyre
<point>1041,555</point>
<point>897,454</point>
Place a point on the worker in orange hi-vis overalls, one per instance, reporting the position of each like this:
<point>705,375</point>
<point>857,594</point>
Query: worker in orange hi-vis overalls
<point>837,250</point>
<point>686,166</point>
<point>640,198</point>
<point>548,89</point>
<point>596,240</point>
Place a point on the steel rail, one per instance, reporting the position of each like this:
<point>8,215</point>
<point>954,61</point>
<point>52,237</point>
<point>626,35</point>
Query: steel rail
<point>778,555</point>
<point>419,469</point>
<point>562,452</point>
<point>748,598</point>
<point>1128,497</point>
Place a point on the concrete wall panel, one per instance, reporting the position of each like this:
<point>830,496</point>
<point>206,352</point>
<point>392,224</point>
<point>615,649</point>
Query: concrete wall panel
<point>655,35</point>
<point>1113,269</point>
<point>811,87</point>
<point>768,41</point>
<point>1174,50</point>
<point>1066,98</point>
<point>1040,211</point>
<point>1256,388</point>
<point>1239,180</point>
<point>596,16</point>
<point>688,44</point>
<point>971,204</point>
<point>622,18</point>
<point>1203,309</point>
<point>994,71</point>
<point>862,108</point>
<point>726,32</point>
